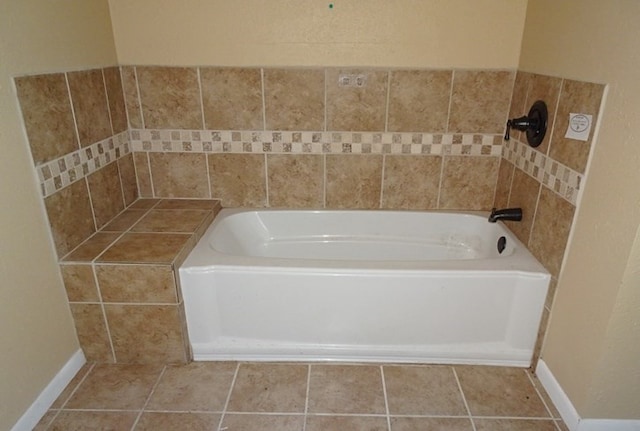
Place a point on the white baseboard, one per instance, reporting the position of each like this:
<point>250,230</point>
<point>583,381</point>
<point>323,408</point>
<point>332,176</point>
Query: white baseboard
<point>609,425</point>
<point>568,412</point>
<point>37,410</point>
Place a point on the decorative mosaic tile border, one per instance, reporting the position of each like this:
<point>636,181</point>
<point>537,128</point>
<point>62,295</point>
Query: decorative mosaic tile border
<point>64,171</point>
<point>227,141</point>
<point>561,179</point>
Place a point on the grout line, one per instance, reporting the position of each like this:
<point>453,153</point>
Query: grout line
<point>153,189</point>
<point>206,162</point>
<point>211,412</point>
<point>102,410</point>
<point>386,111</point>
<point>154,304</point>
<point>91,367</point>
<point>124,202</point>
<point>120,235</point>
<point>233,413</point>
<point>386,401</point>
<point>350,415</point>
<point>306,400</point>
<point>266,180</point>
<point>226,402</point>
<point>93,212</point>
<point>496,183</point>
<point>324,181</point>
<point>555,116</point>
<point>535,211</point>
<point>384,164</point>
<point>513,174</point>
<point>106,96</point>
<point>135,75</point>
<point>326,84</point>
<point>204,125</point>
<point>546,406</point>
<point>73,111</point>
<point>135,169</point>
<point>440,181</point>
<point>155,386</point>
<point>264,103</point>
<point>464,399</point>
<point>69,262</point>
<point>528,418</point>
<point>104,311</point>
<point>52,420</point>
<point>356,415</point>
<point>124,99</point>
<point>453,76</point>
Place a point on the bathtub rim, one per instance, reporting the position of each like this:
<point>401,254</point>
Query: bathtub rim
<point>204,258</point>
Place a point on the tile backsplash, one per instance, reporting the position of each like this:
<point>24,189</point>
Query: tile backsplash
<point>545,181</point>
<point>310,169</point>
<point>407,139</point>
<point>312,99</point>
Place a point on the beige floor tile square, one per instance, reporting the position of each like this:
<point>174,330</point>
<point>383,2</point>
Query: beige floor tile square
<point>144,204</point>
<point>92,247</point>
<point>91,329</point>
<point>344,423</point>
<point>147,334</point>
<point>176,221</point>
<point>152,421</point>
<point>554,412</point>
<point>93,420</point>
<point>431,424</point>
<point>514,425</point>
<point>46,420</point>
<point>124,387</point>
<point>251,422</point>
<point>188,204</point>
<point>277,388</point>
<point>415,390</point>
<point>500,391</point>
<point>145,248</point>
<point>124,220</point>
<point>79,282</point>
<point>199,386</point>
<point>73,384</point>
<point>346,389</point>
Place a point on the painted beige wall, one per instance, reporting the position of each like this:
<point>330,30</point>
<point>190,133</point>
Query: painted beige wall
<point>399,33</point>
<point>592,345</point>
<point>37,334</point>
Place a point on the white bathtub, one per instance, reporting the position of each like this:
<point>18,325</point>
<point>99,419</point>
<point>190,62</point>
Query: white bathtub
<point>425,287</point>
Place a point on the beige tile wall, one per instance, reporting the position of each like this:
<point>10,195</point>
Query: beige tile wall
<point>311,99</point>
<point>77,129</point>
<point>282,114</point>
<point>408,139</point>
<point>545,181</point>
<point>400,170</point>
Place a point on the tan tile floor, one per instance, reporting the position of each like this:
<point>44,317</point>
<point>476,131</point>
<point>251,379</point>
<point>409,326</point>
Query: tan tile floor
<point>229,396</point>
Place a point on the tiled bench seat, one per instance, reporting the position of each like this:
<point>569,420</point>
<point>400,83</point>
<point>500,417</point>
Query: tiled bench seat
<point>123,286</point>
